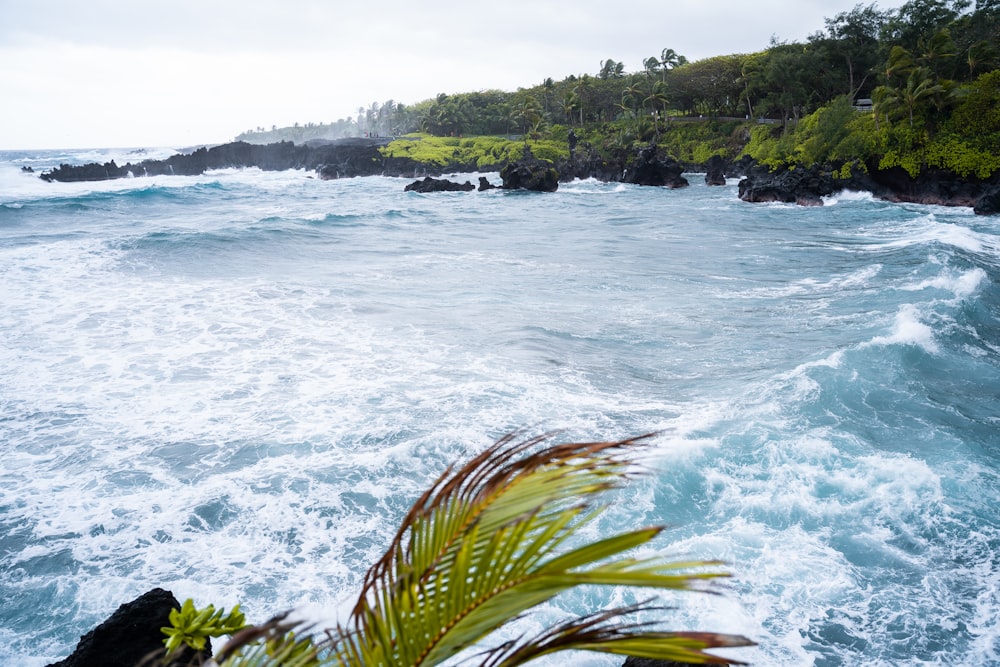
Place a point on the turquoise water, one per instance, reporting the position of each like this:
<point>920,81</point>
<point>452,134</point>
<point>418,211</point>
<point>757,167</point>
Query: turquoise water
<point>232,386</point>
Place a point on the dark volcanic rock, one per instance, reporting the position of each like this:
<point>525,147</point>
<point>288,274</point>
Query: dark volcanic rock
<point>130,635</point>
<point>802,186</point>
<point>739,168</point>
<point>989,203</point>
<point>651,166</point>
<point>484,184</point>
<point>341,159</point>
<point>438,185</point>
<point>931,186</point>
<point>715,170</point>
<point>807,186</point>
<point>589,164</point>
<point>530,173</point>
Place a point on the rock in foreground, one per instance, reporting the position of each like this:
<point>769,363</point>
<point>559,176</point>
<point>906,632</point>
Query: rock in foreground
<point>130,635</point>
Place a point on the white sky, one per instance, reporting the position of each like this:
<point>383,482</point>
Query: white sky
<point>173,73</point>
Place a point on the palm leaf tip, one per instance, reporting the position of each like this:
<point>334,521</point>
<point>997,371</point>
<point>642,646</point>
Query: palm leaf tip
<point>499,535</point>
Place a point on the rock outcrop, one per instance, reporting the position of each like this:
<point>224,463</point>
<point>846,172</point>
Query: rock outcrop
<point>438,185</point>
<point>715,170</point>
<point>652,166</point>
<point>801,186</point>
<point>930,186</point>
<point>588,163</point>
<point>331,159</point>
<point>130,635</point>
<point>530,173</point>
<point>989,203</point>
<point>807,186</point>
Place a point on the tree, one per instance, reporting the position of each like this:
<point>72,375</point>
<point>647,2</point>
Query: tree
<point>548,88</point>
<point>921,18</point>
<point>611,69</point>
<point>651,66</point>
<point>487,543</point>
<point>854,38</point>
<point>657,101</point>
<point>936,51</point>
<point>670,59</point>
<point>792,78</point>
<point>920,85</point>
<point>709,86</point>
<point>527,110</point>
<point>569,104</point>
<point>583,88</point>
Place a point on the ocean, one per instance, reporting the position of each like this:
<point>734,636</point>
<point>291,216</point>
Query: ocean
<point>233,386</point>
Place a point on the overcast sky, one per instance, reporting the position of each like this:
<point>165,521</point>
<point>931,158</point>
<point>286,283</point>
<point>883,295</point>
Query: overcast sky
<point>173,73</point>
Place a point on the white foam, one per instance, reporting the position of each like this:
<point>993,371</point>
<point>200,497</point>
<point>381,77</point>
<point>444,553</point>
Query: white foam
<point>848,196</point>
<point>926,229</point>
<point>908,330</point>
<point>962,284</point>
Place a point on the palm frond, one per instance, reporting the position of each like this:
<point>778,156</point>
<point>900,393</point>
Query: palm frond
<point>607,632</point>
<point>496,537</point>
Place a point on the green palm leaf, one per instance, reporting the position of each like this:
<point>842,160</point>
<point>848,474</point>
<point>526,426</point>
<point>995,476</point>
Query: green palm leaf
<point>496,537</point>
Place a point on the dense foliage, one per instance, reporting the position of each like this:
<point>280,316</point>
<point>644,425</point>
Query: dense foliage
<point>913,87</point>
<point>483,153</point>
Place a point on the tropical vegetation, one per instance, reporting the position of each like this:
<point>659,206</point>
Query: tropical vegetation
<point>488,542</point>
<point>914,87</point>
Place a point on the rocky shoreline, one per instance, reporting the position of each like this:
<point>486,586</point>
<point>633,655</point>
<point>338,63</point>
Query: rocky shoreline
<point>808,186</point>
<point>348,158</point>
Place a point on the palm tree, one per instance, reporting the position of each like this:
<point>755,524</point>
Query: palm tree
<point>528,112</point>
<point>651,66</point>
<point>570,103</point>
<point>582,89</point>
<point>670,59</point>
<point>920,84</point>
<point>548,87</point>
<point>656,100</point>
<point>487,543</point>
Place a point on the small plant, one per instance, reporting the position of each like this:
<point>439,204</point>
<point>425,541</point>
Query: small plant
<point>192,626</point>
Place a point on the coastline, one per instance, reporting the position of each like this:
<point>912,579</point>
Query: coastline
<point>362,156</point>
